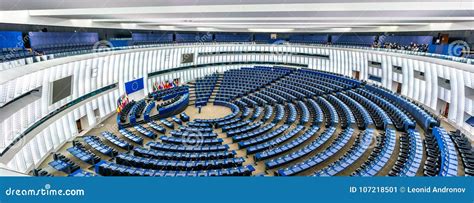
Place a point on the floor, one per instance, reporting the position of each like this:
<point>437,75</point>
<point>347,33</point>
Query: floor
<point>210,112</point>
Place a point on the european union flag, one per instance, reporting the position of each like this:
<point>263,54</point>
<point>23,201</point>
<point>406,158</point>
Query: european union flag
<point>134,85</point>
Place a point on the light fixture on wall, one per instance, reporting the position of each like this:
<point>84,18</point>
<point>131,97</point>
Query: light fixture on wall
<point>94,72</point>
<point>271,29</point>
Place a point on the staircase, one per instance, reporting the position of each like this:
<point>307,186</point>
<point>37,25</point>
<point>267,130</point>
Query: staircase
<point>220,77</point>
<point>192,93</point>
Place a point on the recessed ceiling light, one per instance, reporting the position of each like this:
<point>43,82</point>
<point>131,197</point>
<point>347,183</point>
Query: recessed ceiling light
<point>270,30</point>
<point>205,29</point>
<point>166,27</point>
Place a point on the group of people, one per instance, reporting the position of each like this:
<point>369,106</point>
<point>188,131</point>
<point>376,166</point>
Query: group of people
<point>412,47</point>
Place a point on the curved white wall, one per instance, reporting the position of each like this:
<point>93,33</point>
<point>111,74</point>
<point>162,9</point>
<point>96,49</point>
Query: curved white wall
<point>93,71</point>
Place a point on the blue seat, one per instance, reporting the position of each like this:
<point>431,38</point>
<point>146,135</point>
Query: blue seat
<point>346,116</point>
<point>113,169</point>
<point>330,113</point>
<point>188,141</point>
<point>198,125</point>
<point>98,145</point>
<point>176,120</point>
<point>284,148</point>
<point>167,123</point>
<point>263,137</point>
<point>196,129</point>
<point>268,112</point>
<point>256,113</point>
<point>316,112</point>
<point>401,120</point>
<point>204,88</point>
<point>323,138</point>
<point>362,116</point>
<point>117,141</point>
<point>146,132</point>
<point>380,117</point>
<point>292,114</point>
<point>136,111</point>
<point>274,142</point>
<point>424,119</point>
<point>415,154</point>
<point>159,164</point>
<point>359,147</point>
<point>157,127</point>
<point>335,146</point>
<point>304,117</point>
<point>380,155</point>
<point>254,133</point>
<point>235,125</point>
<point>64,164</point>
<point>243,129</point>
<point>449,157</point>
<point>184,117</point>
<point>280,113</point>
<point>223,124</point>
<point>169,155</point>
<point>131,136</point>
<point>182,148</point>
<point>82,154</point>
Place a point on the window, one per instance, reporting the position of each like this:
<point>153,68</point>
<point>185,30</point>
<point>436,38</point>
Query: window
<point>375,78</point>
<point>375,64</point>
<point>445,83</point>
<point>419,75</point>
<point>469,92</point>
<point>398,69</point>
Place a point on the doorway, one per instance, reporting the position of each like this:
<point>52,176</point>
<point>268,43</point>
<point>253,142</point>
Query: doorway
<point>397,87</point>
<point>356,74</point>
<point>443,108</point>
<point>79,126</point>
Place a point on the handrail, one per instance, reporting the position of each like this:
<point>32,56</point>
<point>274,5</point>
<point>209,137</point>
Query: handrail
<point>425,54</point>
<point>55,112</point>
<point>224,64</point>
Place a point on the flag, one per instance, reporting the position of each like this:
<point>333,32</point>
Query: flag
<point>156,86</point>
<point>122,102</point>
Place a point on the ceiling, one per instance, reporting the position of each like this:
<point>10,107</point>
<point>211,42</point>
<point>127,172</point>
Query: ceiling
<point>246,15</point>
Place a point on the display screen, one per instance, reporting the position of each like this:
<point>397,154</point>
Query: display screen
<point>61,89</point>
<point>187,58</point>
